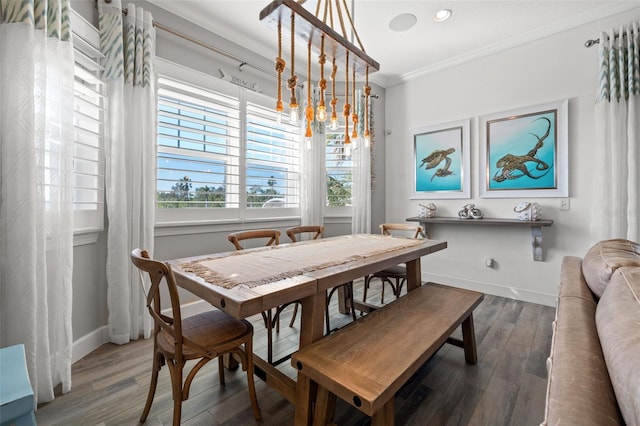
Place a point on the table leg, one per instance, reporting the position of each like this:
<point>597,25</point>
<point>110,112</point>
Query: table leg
<point>311,330</point>
<point>469,340</point>
<point>325,407</point>
<point>414,274</point>
<point>386,416</point>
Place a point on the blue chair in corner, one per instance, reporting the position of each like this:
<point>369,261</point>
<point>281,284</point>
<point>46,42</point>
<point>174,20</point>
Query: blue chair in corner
<point>17,404</point>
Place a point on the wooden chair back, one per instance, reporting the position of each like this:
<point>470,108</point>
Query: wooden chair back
<point>273,236</point>
<point>402,228</point>
<point>315,232</point>
<point>160,272</point>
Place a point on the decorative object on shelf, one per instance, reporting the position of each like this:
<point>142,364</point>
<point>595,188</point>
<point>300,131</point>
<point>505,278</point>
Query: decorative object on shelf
<point>524,152</point>
<point>427,210</point>
<point>528,211</point>
<point>470,211</point>
<point>441,161</point>
<point>318,34</point>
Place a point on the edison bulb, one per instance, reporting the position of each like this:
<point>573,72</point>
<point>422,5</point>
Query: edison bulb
<point>307,143</point>
<point>333,125</point>
<point>293,117</point>
<point>321,113</point>
<point>279,117</point>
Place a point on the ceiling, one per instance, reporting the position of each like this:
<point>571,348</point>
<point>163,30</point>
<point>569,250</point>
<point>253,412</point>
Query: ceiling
<point>475,29</point>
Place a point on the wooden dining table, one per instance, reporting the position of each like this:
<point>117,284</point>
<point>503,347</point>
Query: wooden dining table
<point>249,282</point>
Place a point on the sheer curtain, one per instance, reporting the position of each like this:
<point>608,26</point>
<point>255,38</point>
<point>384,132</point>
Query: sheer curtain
<point>129,51</point>
<point>36,179</point>
<point>616,210</point>
<point>313,180</point>
<point>361,194</point>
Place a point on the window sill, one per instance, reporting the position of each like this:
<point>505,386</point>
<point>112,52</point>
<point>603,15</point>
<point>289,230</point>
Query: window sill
<point>85,237</point>
<point>167,229</point>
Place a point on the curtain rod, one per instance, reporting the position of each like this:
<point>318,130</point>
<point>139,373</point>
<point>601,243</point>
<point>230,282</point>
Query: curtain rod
<point>592,42</point>
<point>209,47</point>
<point>199,43</point>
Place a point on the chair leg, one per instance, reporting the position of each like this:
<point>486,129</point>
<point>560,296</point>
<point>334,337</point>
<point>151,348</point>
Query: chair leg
<point>248,348</point>
<point>352,306</point>
<point>221,369</point>
<point>269,337</point>
<point>367,280</point>
<point>176,384</point>
<point>155,369</point>
<point>295,313</point>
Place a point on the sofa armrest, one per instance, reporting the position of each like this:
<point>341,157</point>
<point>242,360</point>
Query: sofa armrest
<point>579,390</point>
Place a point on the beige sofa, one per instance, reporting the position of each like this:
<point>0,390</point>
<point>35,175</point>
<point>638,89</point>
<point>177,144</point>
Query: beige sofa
<point>594,362</point>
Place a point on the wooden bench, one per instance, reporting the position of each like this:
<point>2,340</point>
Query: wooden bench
<point>368,361</point>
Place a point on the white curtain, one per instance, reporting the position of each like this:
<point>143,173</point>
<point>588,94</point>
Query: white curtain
<point>36,181</point>
<point>313,180</point>
<point>129,51</point>
<point>361,192</point>
<point>616,209</point>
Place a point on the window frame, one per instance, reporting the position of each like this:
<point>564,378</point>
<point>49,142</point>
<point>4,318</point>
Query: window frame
<point>166,217</point>
<point>87,223</point>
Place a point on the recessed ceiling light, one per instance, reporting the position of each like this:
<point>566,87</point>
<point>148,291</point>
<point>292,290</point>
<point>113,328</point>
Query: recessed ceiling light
<point>442,15</point>
<point>403,22</point>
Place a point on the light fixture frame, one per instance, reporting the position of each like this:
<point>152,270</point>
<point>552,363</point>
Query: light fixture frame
<point>309,28</point>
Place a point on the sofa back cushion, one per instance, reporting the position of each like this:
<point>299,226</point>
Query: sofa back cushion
<point>618,323</point>
<point>604,258</point>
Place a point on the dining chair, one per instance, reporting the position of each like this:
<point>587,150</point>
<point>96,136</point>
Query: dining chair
<point>272,316</point>
<point>396,273</point>
<point>201,337</point>
<point>315,232</point>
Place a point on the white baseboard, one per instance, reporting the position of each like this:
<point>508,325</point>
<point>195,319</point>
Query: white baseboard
<point>493,289</point>
<point>89,343</point>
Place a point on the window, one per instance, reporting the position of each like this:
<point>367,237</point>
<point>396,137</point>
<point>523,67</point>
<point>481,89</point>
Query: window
<point>198,147</point>
<point>221,153</point>
<point>339,169</point>
<point>272,160</point>
<point>89,122</point>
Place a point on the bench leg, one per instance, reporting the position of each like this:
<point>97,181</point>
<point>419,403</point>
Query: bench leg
<point>325,407</point>
<point>386,416</point>
<point>469,340</point>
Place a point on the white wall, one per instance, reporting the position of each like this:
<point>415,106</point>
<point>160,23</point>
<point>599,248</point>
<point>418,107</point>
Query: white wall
<point>554,68</point>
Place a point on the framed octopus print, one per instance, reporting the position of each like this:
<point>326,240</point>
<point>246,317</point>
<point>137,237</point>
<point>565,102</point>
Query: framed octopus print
<point>524,152</point>
<point>441,161</point>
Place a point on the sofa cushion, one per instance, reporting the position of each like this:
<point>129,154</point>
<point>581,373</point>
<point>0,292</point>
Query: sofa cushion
<point>602,260</point>
<point>618,322</point>
<point>578,389</point>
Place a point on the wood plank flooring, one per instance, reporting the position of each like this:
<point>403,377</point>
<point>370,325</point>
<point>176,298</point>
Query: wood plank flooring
<point>506,387</point>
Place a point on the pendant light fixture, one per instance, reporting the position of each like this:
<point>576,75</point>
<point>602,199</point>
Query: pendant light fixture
<point>320,36</point>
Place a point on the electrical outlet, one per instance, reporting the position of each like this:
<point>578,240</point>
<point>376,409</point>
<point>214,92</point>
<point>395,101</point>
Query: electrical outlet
<point>565,204</point>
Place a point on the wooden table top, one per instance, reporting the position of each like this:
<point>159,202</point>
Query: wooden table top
<point>368,253</point>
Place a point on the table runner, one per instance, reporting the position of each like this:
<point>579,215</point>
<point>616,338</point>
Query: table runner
<point>271,264</point>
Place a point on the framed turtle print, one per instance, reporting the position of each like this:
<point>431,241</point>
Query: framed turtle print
<point>524,152</point>
<point>441,163</point>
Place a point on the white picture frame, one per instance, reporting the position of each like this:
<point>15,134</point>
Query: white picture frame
<point>442,161</point>
<point>524,152</point>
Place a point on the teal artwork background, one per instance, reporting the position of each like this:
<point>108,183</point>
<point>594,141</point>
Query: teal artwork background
<point>518,136</point>
<point>427,143</point>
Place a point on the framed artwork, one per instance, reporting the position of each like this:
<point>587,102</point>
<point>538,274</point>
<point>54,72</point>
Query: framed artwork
<point>441,161</point>
<point>524,152</point>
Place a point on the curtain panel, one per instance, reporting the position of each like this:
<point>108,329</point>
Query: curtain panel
<point>129,49</point>
<point>313,179</point>
<point>36,183</point>
<point>361,192</point>
<point>616,209</point>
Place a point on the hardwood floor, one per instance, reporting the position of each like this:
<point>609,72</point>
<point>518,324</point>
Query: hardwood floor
<point>506,387</point>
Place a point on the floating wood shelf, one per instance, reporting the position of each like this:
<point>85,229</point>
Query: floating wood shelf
<point>535,225</point>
